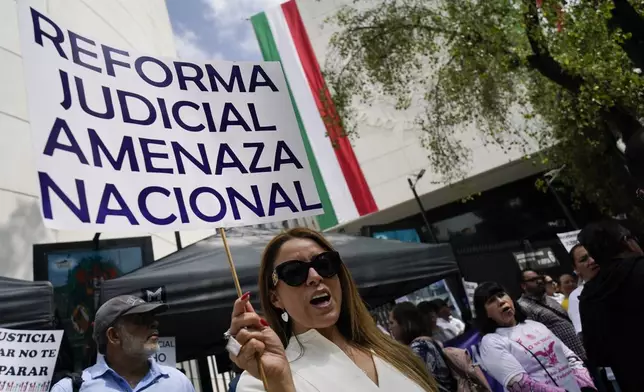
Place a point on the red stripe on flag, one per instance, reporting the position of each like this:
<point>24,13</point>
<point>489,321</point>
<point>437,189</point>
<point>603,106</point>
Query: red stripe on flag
<point>349,165</point>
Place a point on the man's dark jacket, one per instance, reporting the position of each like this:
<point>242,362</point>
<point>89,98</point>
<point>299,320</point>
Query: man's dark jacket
<point>612,318</point>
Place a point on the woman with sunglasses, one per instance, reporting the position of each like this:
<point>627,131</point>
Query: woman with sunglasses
<point>524,355</point>
<point>319,335</point>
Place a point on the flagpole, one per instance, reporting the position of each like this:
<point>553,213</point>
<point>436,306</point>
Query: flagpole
<point>231,264</point>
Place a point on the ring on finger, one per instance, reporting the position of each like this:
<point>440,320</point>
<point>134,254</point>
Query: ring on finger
<point>228,334</point>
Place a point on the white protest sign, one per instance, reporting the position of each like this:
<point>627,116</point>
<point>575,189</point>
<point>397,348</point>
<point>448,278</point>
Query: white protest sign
<point>167,354</point>
<point>569,239</point>
<point>470,287</point>
<point>125,141</point>
<point>27,359</point>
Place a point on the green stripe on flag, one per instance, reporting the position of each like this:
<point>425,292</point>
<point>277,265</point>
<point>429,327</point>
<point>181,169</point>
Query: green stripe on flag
<point>270,53</point>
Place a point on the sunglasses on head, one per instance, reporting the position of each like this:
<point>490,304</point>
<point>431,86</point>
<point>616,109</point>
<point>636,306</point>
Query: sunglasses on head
<point>296,272</point>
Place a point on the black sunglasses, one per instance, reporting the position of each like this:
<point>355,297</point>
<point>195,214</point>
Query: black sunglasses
<point>295,272</point>
<point>629,237</point>
<point>535,279</point>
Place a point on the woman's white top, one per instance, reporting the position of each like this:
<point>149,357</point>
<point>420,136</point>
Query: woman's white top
<point>323,367</point>
<point>573,307</point>
<point>504,355</point>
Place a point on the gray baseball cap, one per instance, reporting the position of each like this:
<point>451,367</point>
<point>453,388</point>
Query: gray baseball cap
<point>119,306</point>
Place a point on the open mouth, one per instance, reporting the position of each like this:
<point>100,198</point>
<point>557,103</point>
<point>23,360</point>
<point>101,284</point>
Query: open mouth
<point>321,300</point>
<point>506,309</point>
<point>154,335</point>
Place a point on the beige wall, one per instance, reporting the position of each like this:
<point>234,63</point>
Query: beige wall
<point>140,25</point>
<point>388,148</point>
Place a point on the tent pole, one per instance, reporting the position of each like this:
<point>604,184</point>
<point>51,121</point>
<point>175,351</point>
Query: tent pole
<point>231,264</point>
<point>177,239</point>
<point>95,240</point>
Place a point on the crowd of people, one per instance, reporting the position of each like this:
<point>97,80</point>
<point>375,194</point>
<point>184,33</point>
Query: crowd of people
<point>316,334</point>
<point>581,340</point>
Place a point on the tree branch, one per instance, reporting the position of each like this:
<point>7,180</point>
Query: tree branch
<point>541,59</point>
<point>402,25</point>
<point>630,21</point>
<point>618,117</point>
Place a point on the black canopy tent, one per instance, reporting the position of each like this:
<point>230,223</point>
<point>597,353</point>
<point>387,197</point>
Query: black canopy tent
<point>26,304</point>
<point>30,305</point>
<point>197,284</point>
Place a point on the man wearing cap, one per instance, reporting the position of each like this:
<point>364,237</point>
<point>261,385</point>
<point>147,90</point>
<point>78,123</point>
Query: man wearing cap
<point>126,334</point>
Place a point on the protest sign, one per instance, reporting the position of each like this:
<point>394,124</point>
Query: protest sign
<point>569,239</point>
<point>542,258</point>
<point>27,359</point>
<point>167,354</point>
<point>470,287</point>
<point>125,141</point>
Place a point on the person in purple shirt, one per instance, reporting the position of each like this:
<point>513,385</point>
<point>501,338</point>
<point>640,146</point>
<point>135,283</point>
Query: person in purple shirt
<point>126,334</point>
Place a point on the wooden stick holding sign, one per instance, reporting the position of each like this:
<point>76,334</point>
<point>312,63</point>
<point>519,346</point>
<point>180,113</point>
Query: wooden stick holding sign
<point>229,255</point>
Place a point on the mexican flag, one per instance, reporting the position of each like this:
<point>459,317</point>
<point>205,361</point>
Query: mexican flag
<point>343,190</point>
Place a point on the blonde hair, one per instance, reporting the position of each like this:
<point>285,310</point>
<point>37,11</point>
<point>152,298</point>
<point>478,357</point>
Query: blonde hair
<point>355,322</point>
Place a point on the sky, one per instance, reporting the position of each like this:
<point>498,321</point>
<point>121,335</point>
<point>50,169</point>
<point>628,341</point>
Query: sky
<point>216,29</point>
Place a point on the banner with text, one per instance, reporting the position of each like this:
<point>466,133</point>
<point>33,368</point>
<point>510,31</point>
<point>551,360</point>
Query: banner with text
<point>569,239</point>
<point>167,354</point>
<point>126,140</point>
<point>470,288</point>
<point>27,359</point>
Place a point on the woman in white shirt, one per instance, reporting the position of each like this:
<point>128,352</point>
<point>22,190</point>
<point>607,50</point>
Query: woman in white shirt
<point>319,335</point>
<point>521,354</point>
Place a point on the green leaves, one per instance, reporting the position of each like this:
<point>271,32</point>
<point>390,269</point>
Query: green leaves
<point>530,75</point>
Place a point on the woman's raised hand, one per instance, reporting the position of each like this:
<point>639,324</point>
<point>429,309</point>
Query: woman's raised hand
<point>258,340</point>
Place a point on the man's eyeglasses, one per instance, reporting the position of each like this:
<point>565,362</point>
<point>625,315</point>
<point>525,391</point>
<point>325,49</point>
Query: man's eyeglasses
<point>629,237</point>
<point>535,279</point>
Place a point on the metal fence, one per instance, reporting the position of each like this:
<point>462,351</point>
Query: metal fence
<point>219,382</point>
